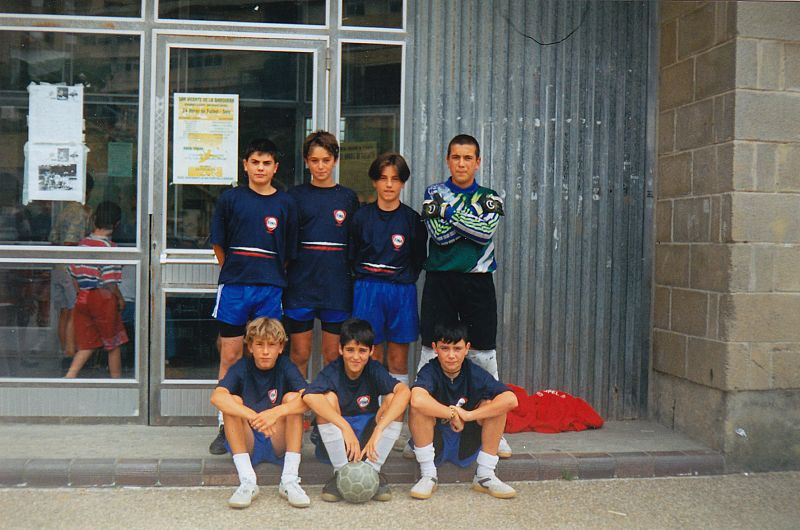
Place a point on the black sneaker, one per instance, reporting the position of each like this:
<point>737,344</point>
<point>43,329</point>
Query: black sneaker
<point>330,491</point>
<point>384,492</point>
<point>217,447</point>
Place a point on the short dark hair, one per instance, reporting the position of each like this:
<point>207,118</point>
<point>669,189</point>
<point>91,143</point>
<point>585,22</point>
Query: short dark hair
<point>450,333</point>
<point>322,139</point>
<point>355,329</point>
<point>261,145</point>
<point>465,139</point>
<point>389,159</point>
<point>107,215</point>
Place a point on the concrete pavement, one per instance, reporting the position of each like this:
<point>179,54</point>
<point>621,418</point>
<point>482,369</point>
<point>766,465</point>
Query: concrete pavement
<point>770,500</point>
<point>137,455</point>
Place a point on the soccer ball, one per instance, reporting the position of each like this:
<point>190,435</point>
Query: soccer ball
<point>357,482</point>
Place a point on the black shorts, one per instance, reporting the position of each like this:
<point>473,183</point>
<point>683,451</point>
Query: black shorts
<point>469,298</point>
<point>468,443</point>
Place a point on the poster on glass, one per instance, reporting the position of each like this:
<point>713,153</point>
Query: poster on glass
<point>55,172</point>
<point>205,139</point>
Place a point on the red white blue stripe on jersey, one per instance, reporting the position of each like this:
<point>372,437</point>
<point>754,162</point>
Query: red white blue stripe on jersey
<point>254,252</point>
<point>379,268</point>
<point>324,246</point>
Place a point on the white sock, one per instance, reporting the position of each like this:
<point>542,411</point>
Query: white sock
<point>291,466</point>
<point>486,359</point>
<point>244,467</point>
<point>220,422</point>
<point>425,355</point>
<point>486,465</point>
<point>334,442</point>
<point>403,378</point>
<point>425,456</point>
<point>385,443</point>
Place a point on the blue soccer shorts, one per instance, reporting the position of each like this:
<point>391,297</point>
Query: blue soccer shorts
<point>391,309</point>
<point>262,450</point>
<point>237,304</point>
<point>460,448</point>
<point>301,319</point>
<point>363,425</point>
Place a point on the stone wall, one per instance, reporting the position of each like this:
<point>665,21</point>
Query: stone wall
<point>726,301</point>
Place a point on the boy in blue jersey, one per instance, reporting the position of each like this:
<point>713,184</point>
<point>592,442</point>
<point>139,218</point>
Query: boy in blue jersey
<point>458,413</point>
<point>350,423</point>
<point>254,235</point>
<point>260,398</point>
<point>387,247</point>
<point>319,277</point>
<point>462,217</point>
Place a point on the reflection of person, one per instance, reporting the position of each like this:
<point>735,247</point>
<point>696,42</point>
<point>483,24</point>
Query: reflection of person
<point>99,302</point>
<point>260,399</point>
<point>72,224</point>
<point>387,248</point>
<point>350,424</point>
<point>461,218</point>
<point>253,234</point>
<point>319,278</point>
<point>472,407</point>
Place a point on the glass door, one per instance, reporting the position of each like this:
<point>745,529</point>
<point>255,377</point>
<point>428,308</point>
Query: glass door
<point>229,91</point>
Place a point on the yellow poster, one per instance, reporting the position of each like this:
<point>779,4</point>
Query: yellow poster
<point>205,139</point>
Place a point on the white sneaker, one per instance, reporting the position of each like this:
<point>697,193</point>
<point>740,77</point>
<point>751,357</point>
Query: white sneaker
<point>493,486</point>
<point>243,496</point>
<point>292,492</point>
<point>504,450</point>
<point>424,488</point>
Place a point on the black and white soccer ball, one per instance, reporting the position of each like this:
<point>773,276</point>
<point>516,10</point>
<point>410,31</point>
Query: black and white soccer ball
<point>357,482</point>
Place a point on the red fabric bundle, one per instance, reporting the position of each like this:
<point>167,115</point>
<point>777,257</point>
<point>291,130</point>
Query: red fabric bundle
<point>550,411</point>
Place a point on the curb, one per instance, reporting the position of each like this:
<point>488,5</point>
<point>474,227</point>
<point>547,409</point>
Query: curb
<point>220,471</point>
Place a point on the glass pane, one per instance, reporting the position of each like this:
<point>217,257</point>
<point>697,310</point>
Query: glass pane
<point>274,101</point>
<point>273,12</point>
<point>96,8</point>
<point>41,328</point>
<point>108,68</point>
<point>370,111</point>
<point>373,13</point>
<point>190,337</point>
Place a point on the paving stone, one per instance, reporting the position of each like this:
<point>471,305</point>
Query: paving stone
<point>554,466</point>
<point>180,472</point>
<point>633,465</point>
<point>92,472</point>
<point>12,471</point>
<point>670,464</point>
<point>595,465</point>
<point>47,472</point>
<point>136,472</point>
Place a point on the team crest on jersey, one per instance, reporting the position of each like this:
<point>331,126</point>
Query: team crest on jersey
<point>271,223</point>
<point>273,395</point>
<point>398,240</point>
<point>461,402</point>
<point>339,216</point>
<point>363,401</point>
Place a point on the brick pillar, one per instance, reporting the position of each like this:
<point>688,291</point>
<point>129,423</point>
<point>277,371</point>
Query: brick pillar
<point>726,301</point>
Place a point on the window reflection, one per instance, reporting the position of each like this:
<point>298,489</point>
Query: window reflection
<point>35,336</point>
<point>373,13</point>
<point>190,336</point>
<point>275,98</point>
<point>370,123</point>
<point>108,68</point>
<point>272,11</point>
<point>97,8</point>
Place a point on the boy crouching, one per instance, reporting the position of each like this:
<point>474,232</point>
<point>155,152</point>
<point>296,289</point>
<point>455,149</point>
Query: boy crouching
<point>350,423</point>
<point>458,413</point>
<point>260,400</point>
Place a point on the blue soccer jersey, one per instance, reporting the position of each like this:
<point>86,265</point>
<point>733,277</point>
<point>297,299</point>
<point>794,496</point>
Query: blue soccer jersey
<point>472,385</point>
<point>388,246</point>
<point>258,234</point>
<point>356,396</point>
<point>319,277</point>
<point>262,389</point>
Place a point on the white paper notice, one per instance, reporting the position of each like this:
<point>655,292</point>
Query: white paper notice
<point>55,114</point>
<point>205,139</point>
<point>55,172</point>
